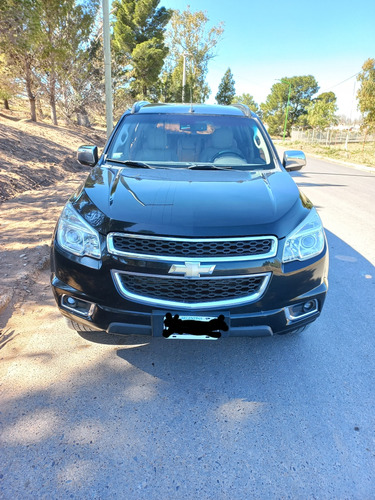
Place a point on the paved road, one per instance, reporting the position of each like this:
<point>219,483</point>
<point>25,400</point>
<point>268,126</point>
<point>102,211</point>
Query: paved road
<point>286,417</point>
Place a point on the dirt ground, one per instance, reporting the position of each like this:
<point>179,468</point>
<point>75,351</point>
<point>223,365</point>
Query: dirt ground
<point>38,173</point>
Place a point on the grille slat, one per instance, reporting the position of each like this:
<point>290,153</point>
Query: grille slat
<point>224,248</point>
<point>190,291</point>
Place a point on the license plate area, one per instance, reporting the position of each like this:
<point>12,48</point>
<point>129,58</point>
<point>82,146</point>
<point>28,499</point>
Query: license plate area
<point>190,327</point>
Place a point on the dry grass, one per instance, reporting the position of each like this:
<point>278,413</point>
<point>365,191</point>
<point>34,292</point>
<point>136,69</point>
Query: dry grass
<point>363,154</point>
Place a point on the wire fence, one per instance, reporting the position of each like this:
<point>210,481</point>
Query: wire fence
<point>331,137</point>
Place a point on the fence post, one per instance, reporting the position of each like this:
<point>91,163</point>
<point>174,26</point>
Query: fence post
<point>346,141</point>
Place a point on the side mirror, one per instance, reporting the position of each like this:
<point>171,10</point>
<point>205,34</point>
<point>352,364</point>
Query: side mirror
<point>87,155</point>
<point>294,160</point>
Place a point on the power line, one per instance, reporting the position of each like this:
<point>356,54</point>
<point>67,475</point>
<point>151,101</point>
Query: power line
<point>337,84</point>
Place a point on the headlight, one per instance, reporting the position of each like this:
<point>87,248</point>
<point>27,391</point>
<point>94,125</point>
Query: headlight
<point>306,241</point>
<point>76,236</point>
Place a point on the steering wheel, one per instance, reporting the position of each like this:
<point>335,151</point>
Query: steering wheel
<point>227,152</point>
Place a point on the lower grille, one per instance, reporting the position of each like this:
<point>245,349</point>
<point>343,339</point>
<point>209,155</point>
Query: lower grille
<point>189,293</point>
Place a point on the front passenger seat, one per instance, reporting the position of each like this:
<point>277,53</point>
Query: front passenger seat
<point>155,147</point>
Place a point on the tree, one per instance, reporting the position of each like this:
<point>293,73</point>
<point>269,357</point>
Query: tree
<point>248,100</point>
<point>138,41</point>
<point>42,40</point>
<point>8,86</point>
<point>80,71</point>
<point>83,85</point>
<point>66,27</point>
<point>190,36</point>
<point>366,94</point>
<point>20,33</point>
<point>327,97</point>
<point>321,114</point>
<point>302,88</point>
<point>226,90</point>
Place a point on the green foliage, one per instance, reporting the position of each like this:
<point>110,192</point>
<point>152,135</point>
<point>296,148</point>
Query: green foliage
<point>8,85</point>
<point>321,113</point>
<point>302,88</point>
<point>327,97</point>
<point>366,94</point>
<point>171,83</point>
<point>138,44</point>
<point>226,90</point>
<point>138,21</point>
<point>248,100</point>
<point>189,34</point>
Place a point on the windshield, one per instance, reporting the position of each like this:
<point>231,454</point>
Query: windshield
<point>191,141</point>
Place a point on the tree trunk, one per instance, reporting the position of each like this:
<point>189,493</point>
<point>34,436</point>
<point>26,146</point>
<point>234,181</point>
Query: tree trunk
<point>83,118</point>
<point>30,93</point>
<point>53,111</point>
<point>6,104</point>
<point>52,96</point>
<point>39,108</point>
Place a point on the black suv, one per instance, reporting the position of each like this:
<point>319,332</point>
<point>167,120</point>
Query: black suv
<point>189,226</point>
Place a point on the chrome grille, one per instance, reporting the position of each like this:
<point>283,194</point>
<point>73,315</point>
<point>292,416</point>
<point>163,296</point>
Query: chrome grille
<point>182,292</point>
<point>160,248</point>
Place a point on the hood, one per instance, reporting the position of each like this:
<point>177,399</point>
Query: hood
<point>191,203</point>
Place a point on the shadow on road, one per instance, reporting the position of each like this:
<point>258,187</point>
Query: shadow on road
<point>142,415</point>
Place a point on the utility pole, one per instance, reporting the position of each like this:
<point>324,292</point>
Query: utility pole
<point>287,110</point>
<point>107,69</point>
<point>287,105</point>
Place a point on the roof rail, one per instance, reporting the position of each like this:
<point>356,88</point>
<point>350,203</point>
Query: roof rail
<point>138,105</point>
<point>245,109</point>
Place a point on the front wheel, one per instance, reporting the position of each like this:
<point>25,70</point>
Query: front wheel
<point>295,331</point>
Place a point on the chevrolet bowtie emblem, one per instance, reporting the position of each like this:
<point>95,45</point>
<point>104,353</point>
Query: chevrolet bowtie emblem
<point>191,269</point>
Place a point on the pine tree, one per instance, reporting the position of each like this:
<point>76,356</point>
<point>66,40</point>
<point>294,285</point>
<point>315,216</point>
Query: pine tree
<point>139,41</point>
<point>226,90</point>
<point>300,90</point>
<point>248,100</point>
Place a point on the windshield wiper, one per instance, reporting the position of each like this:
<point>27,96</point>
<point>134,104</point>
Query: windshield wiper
<point>204,166</point>
<point>130,163</point>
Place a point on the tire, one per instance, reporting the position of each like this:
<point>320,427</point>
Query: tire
<point>296,331</point>
<point>78,327</point>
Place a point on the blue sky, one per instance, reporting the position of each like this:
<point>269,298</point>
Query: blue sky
<point>265,41</point>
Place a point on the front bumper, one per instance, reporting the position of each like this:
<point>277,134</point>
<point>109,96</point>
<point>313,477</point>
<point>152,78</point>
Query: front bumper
<point>86,293</point>
<point>241,322</point>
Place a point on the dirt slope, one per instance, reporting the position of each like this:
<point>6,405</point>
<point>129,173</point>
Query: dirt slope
<point>37,154</point>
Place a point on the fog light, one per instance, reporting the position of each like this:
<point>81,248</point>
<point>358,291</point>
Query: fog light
<point>71,301</point>
<point>77,306</point>
<point>301,310</point>
<point>309,306</point>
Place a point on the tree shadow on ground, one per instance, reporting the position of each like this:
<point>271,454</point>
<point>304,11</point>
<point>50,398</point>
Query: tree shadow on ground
<point>139,415</point>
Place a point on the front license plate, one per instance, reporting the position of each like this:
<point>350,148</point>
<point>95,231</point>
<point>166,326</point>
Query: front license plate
<point>193,327</point>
